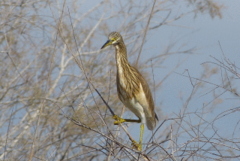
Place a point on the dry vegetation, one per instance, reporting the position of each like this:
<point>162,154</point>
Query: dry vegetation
<point>52,70</point>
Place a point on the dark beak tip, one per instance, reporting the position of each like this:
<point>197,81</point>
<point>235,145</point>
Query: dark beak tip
<point>105,45</point>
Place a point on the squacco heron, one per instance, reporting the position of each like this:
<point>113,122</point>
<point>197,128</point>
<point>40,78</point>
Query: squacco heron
<point>132,88</point>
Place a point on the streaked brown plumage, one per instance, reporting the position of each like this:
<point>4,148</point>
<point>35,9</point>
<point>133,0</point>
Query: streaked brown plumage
<point>132,88</point>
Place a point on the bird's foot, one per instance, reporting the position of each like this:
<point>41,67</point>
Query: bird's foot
<point>137,146</point>
<point>118,119</point>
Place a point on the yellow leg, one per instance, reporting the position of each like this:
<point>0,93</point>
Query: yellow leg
<point>135,145</point>
<point>120,120</point>
<point>141,136</point>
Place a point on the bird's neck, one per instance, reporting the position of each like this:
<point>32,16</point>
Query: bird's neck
<point>121,57</point>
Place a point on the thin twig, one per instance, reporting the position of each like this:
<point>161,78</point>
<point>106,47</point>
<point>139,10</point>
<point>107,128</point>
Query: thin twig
<point>145,33</point>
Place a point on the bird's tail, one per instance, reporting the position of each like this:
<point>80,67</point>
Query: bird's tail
<point>151,122</point>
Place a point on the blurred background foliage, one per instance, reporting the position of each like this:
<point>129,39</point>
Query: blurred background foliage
<point>51,64</point>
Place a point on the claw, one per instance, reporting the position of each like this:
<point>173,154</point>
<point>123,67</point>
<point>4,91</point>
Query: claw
<point>136,145</point>
<point>118,119</point>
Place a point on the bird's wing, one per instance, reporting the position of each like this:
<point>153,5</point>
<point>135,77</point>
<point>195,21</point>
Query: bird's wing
<point>144,97</point>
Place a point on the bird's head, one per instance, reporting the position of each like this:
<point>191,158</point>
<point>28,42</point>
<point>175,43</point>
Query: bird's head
<point>113,39</point>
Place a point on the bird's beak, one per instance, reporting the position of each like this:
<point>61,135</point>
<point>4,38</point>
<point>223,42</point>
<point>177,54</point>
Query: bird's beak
<point>109,42</point>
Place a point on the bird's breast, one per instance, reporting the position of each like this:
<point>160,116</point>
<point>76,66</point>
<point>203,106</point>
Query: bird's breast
<point>122,87</point>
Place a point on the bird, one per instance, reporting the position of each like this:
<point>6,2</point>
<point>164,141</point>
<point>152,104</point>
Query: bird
<point>133,90</point>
